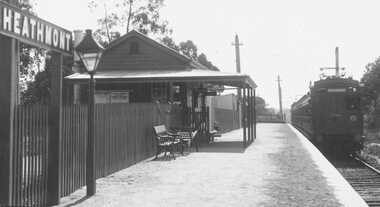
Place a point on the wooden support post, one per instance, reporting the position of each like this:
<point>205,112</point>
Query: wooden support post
<point>171,92</point>
<point>244,115</point>
<point>249,114</point>
<point>8,71</point>
<point>239,109</point>
<point>254,114</point>
<point>55,128</point>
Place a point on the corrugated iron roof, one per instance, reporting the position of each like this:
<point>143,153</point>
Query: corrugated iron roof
<point>189,75</point>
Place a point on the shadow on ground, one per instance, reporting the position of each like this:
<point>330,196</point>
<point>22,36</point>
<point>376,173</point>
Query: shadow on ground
<point>215,147</point>
<point>78,201</point>
<point>224,147</point>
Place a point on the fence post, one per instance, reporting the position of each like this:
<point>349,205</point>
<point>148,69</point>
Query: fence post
<point>55,129</point>
<point>8,73</point>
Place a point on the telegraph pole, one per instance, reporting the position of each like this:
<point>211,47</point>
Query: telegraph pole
<point>337,61</point>
<point>237,53</point>
<point>279,93</point>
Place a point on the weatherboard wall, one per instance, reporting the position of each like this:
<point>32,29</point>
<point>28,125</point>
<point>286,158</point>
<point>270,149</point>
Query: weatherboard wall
<point>148,57</point>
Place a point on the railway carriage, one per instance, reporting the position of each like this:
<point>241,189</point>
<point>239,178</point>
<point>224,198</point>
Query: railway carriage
<point>331,114</point>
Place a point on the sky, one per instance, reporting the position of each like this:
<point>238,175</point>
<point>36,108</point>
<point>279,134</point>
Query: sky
<point>292,39</point>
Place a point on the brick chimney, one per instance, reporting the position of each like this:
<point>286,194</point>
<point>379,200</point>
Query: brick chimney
<point>78,36</point>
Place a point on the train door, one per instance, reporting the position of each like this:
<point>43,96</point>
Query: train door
<point>335,107</point>
<point>331,112</point>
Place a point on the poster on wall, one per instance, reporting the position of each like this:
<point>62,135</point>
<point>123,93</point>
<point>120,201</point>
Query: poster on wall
<point>102,97</point>
<point>112,97</point>
<point>119,97</point>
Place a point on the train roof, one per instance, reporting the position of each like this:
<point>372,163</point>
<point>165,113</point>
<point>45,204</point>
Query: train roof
<point>329,82</point>
<point>335,82</point>
<point>301,102</point>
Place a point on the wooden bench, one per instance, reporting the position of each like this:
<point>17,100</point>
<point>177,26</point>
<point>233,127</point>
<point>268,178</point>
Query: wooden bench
<point>165,140</point>
<point>187,135</point>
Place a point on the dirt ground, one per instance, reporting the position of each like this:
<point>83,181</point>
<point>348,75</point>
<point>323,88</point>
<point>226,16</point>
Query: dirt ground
<point>221,174</point>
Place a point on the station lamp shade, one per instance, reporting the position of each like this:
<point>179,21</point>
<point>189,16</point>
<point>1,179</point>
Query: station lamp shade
<point>89,51</point>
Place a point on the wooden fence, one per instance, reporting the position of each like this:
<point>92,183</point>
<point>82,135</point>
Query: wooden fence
<point>30,155</point>
<point>271,118</point>
<point>123,137</point>
<point>228,120</point>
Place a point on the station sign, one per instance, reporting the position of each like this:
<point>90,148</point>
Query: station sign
<point>32,30</point>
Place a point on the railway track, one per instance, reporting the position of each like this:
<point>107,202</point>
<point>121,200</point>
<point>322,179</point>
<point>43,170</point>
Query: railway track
<point>364,178</point>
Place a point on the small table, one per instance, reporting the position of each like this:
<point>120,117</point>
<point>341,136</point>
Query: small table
<point>186,133</point>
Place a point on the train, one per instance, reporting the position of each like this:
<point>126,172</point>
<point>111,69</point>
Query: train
<point>331,114</point>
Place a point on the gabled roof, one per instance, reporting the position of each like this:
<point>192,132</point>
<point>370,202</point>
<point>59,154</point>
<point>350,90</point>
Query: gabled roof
<point>158,45</point>
<point>150,41</point>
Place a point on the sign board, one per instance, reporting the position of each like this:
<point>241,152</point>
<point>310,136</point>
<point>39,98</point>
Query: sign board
<point>112,97</point>
<point>211,93</point>
<point>102,97</point>
<point>32,30</point>
<point>120,97</point>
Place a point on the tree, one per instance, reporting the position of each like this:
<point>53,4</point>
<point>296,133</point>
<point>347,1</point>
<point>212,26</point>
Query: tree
<point>261,106</point>
<point>371,95</point>
<point>105,34</point>
<point>35,67</point>
<point>371,81</point>
<point>38,90</point>
<point>142,15</point>
<point>168,41</point>
<point>31,58</point>
<point>203,60</point>
<point>189,49</point>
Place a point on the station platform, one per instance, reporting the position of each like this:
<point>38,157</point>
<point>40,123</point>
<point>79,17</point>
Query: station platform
<point>280,168</point>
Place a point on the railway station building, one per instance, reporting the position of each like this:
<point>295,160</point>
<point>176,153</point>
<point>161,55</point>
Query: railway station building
<point>136,69</point>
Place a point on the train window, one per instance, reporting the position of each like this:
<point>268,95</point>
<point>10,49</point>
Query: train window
<point>352,103</point>
<point>336,90</point>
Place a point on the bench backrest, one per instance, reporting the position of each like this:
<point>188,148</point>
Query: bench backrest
<point>184,128</point>
<point>160,129</point>
<point>188,133</point>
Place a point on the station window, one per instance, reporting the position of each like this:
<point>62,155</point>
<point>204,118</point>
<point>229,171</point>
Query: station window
<point>176,93</point>
<point>160,92</point>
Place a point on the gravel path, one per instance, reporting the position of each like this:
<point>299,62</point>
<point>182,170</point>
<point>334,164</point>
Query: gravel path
<point>223,174</point>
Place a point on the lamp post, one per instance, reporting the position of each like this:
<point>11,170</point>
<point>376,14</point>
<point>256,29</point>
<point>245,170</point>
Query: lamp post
<point>90,52</point>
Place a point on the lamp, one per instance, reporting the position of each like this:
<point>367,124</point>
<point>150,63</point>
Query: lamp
<point>90,52</point>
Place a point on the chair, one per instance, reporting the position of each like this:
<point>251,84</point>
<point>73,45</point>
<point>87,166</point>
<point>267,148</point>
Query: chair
<point>165,140</point>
